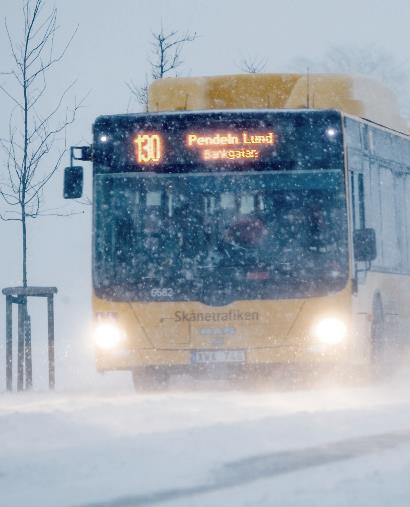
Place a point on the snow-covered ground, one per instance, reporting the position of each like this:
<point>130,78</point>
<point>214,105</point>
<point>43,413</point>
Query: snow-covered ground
<point>207,447</point>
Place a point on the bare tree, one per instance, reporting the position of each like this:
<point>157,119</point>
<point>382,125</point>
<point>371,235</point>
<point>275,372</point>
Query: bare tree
<point>33,133</point>
<point>252,65</point>
<point>140,93</point>
<point>368,61</point>
<point>166,58</point>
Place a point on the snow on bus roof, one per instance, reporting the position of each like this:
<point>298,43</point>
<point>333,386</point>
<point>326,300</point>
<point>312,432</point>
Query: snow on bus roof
<point>355,95</point>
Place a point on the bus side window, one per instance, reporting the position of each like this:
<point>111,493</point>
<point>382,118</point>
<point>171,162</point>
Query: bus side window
<point>358,199</point>
<point>400,214</point>
<point>375,210</point>
<point>406,211</point>
<point>390,246</point>
<point>353,133</point>
<point>383,145</point>
<point>364,131</point>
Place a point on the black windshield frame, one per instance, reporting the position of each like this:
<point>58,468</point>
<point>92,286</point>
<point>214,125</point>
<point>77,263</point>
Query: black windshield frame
<point>308,142</point>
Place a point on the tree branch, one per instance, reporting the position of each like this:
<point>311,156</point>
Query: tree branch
<point>166,57</point>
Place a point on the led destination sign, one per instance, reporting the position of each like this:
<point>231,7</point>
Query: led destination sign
<point>216,146</point>
<point>218,141</point>
<point>229,146</point>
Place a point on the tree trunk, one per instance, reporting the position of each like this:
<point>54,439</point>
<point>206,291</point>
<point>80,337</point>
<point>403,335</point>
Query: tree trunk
<point>24,245</point>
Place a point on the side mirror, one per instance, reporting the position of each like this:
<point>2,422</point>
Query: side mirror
<point>73,182</point>
<point>364,245</point>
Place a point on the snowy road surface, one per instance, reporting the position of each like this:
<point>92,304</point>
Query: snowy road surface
<point>323,447</point>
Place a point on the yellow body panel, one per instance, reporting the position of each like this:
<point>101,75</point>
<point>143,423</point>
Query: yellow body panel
<point>281,333</point>
<point>270,331</point>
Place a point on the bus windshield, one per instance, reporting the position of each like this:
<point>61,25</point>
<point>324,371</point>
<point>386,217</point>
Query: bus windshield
<point>218,238</point>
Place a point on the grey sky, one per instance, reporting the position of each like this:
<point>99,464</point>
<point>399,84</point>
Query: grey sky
<point>113,42</point>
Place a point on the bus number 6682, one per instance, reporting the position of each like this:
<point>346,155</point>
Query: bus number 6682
<point>162,293</point>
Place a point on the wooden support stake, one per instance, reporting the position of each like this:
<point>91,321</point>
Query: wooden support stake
<point>51,363</point>
<point>9,343</point>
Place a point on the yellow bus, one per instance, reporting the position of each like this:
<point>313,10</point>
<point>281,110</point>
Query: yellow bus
<point>247,222</point>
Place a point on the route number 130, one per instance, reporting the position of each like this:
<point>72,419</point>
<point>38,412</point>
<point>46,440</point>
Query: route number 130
<point>148,148</point>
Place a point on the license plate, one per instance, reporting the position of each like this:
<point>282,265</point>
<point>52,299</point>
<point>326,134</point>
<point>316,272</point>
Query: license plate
<point>218,356</point>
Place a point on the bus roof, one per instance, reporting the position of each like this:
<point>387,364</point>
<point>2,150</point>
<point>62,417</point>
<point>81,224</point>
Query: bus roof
<point>354,95</point>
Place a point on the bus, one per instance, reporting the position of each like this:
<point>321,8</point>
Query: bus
<point>244,236</point>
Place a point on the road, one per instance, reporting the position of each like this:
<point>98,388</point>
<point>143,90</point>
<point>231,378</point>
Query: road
<point>327,446</point>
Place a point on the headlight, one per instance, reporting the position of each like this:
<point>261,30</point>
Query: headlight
<point>108,335</point>
<point>330,331</point>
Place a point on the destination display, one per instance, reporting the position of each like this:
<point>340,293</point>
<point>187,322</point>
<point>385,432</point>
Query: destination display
<point>219,141</point>
<point>229,145</point>
<point>150,148</point>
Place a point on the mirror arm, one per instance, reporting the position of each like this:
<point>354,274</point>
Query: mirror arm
<point>355,284</point>
<point>366,269</point>
<point>85,153</point>
<point>355,278</point>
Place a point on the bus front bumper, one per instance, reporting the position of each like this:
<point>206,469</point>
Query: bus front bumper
<point>192,359</point>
